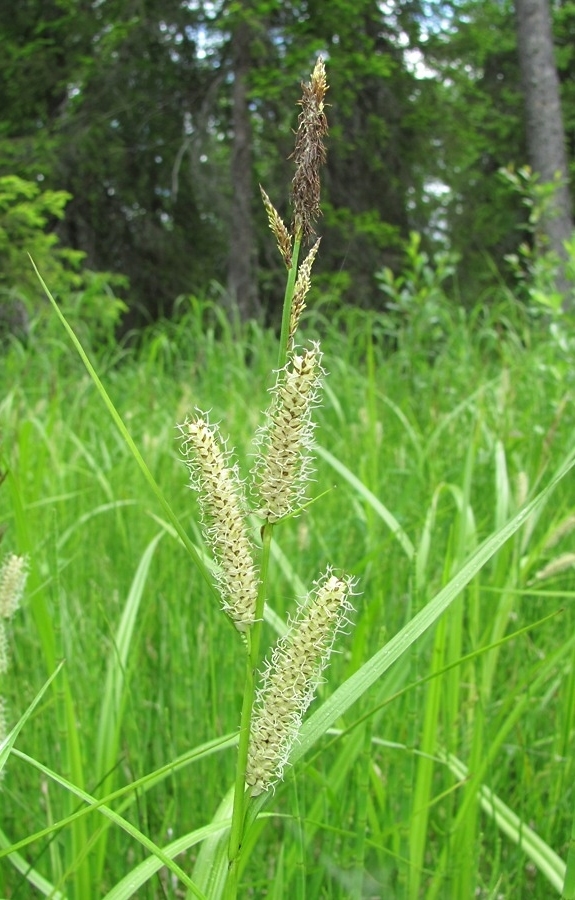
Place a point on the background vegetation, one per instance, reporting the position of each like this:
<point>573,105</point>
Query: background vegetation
<point>130,108</point>
<point>450,433</point>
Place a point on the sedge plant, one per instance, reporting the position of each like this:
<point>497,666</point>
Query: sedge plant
<point>272,712</point>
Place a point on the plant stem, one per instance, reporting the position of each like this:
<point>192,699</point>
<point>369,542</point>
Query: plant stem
<point>288,297</point>
<point>252,660</point>
<point>241,796</point>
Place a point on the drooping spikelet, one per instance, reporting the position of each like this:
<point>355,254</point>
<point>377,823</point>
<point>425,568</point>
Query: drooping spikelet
<point>291,678</point>
<point>13,574</point>
<point>302,286</point>
<point>283,465</point>
<point>276,223</point>
<point>560,564</point>
<point>223,510</point>
<point>521,488</point>
<point>561,531</point>
<point>309,153</point>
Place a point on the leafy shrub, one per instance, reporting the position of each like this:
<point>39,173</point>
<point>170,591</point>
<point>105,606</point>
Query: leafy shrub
<point>27,219</point>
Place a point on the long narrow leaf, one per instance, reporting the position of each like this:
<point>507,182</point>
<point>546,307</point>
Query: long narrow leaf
<point>368,497</point>
<point>31,875</point>
<point>127,887</point>
<point>10,739</point>
<point>542,855</point>
<point>117,820</point>
<point>129,792</point>
<point>125,434</point>
<point>114,690</point>
<point>355,686</point>
<point>113,700</point>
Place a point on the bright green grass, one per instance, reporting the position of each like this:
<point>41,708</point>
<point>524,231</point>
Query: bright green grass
<point>430,783</point>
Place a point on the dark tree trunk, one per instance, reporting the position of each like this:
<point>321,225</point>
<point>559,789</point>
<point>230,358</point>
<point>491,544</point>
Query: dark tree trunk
<point>545,133</point>
<point>242,276</point>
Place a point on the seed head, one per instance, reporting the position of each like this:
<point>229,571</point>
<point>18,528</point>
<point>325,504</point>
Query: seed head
<point>291,678</point>
<point>223,511</point>
<point>283,465</point>
<point>561,531</point>
<point>13,574</point>
<point>280,231</point>
<point>309,153</point>
<point>561,563</point>
<point>302,286</point>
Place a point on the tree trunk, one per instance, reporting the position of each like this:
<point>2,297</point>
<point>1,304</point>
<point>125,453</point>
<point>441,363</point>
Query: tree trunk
<point>545,133</point>
<point>242,276</point>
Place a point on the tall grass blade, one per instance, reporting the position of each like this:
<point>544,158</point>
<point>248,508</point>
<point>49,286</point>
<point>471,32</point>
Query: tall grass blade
<point>7,744</point>
<point>117,820</point>
<point>134,880</point>
<point>126,436</point>
<point>569,884</point>
<point>34,878</point>
<point>541,854</point>
<point>115,688</point>
<point>368,497</point>
<point>355,686</point>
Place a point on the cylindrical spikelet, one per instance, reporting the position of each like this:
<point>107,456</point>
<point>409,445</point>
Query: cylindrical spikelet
<point>223,511</point>
<point>302,286</point>
<point>560,564</point>
<point>280,231</point>
<point>309,153</point>
<point>561,531</point>
<point>291,679</point>
<point>283,466</point>
<point>13,574</point>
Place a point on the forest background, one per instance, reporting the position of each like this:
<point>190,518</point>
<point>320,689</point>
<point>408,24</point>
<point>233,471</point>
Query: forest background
<point>135,134</point>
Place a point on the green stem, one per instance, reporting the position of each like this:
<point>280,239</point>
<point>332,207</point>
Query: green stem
<point>252,660</point>
<point>288,298</point>
<point>241,796</point>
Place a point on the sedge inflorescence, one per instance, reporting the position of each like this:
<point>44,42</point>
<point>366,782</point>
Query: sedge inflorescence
<point>280,476</point>
<point>283,465</point>
<point>309,153</point>
<point>291,678</point>
<point>13,575</point>
<point>224,518</point>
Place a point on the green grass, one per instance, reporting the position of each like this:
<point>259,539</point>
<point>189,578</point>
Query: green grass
<point>448,769</point>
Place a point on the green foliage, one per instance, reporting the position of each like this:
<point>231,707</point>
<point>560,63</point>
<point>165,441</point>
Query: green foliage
<point>94,310</point>
<point>419,313</point>
<point>131,113</point>
<point>535,266</point>
<point>25,214</point>
<point>423,476</point>
<point>477,118</point>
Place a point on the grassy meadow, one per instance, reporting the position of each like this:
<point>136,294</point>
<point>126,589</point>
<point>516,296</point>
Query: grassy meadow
<point>450,772</point>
